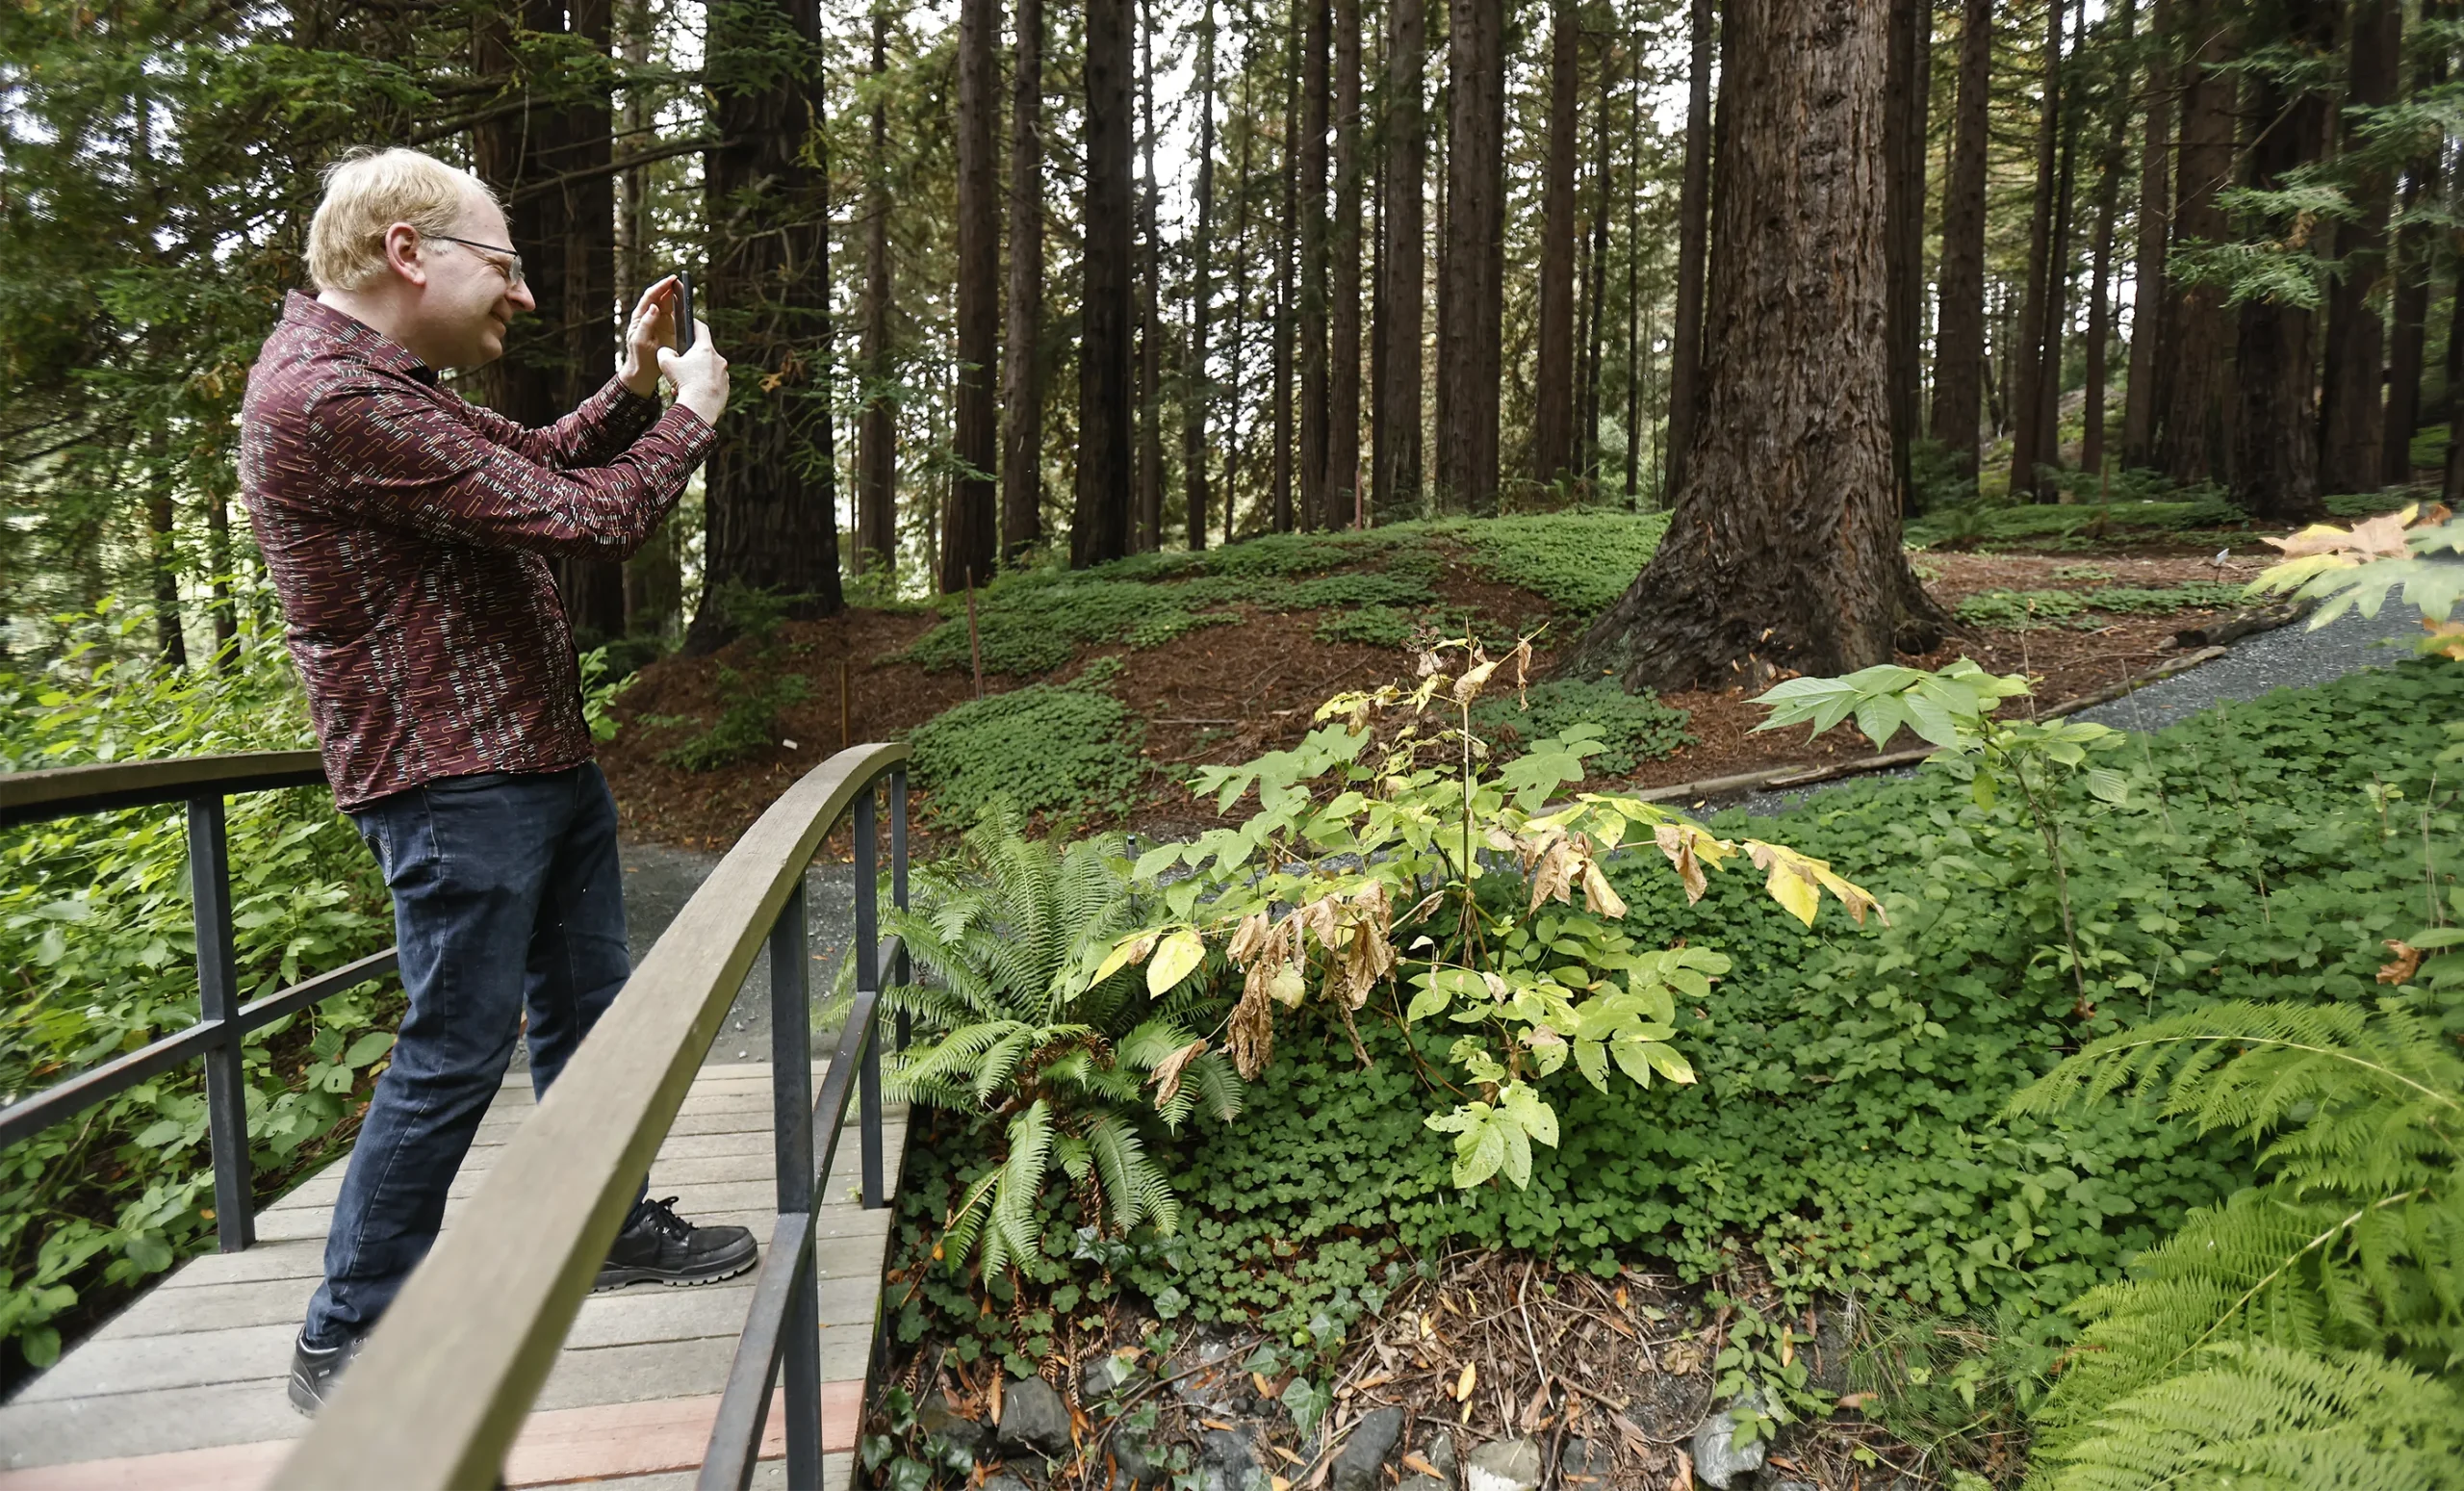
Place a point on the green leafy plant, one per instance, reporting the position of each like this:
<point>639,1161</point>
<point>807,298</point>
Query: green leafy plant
<point>748,722</point>
<point>1760,1358</point>
<point>1046,749</point>
<point>1395,807</point>
<point>97,957</point>
<point>1017,1022</point>
<point>596,696</point>
<point>1630,728</point>
<point>1370,626</point>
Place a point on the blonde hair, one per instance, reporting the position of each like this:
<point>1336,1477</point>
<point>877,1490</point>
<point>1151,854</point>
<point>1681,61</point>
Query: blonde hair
<point>368,191</point>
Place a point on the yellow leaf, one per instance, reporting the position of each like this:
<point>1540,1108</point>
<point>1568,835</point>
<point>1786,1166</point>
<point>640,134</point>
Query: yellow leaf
<point>1180,953</point>
<point>1130,949</point>
<point>1598,894</point>
<point>1464,1385</point>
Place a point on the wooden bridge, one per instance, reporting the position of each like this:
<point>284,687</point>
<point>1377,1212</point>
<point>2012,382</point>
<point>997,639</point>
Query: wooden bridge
<point>496,1365</point>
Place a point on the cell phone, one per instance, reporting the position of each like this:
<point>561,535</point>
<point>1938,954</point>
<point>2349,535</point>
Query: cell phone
<point>684,311</point>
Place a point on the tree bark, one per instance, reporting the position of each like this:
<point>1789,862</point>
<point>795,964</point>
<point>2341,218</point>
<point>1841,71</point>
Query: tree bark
<point>1693,240</point>
<point>1344,506</point>
<point>2198,335</point>
<point>2275,467</point>
<point>1022,369</point>
<point>971,529</point>
<point>1237,434</point>
<point>1396,475</point>
<point>1783,548</point>
<point>2092,440</point>
<point>1148,532</point>
<point>1315,65</point>
<point>1637,348</point>
<point>1287,230</point>
<point>2057,308</point>
<point>2036,313</point>
<point>1552,432</point>
<point>2351,415</point>
<point>770,487</point>
<point>1470,334</point>
<point>1199,385</point>
<point>654,576</point>
<point>877,423</point>
<point>2406,347</point>
<point>1959,346</point>
<point>1908,94</point>
<point>1099,528</point>
<point>2149,297</point>
<point>1596,291</point>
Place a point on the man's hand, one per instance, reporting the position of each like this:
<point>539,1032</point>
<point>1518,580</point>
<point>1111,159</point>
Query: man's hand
<point>699,375</point>
<point>652,328</point>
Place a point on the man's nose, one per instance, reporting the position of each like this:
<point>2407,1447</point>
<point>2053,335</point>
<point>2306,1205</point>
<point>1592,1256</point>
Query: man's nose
<point>522,298</point>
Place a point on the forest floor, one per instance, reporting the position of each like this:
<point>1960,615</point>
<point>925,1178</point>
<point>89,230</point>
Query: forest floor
<point>1226,692</point>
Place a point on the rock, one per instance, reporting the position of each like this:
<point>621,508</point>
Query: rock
<point>1227,1461</point>
<point>1135,1458</point>
<point>1006,1483</point>
<point>1439,1451</point>
<point>1586,1462</point>
<point>1504,1465</point>
<point>1796,1485</point>
<point>1359,1463</point>
<point>1105,1375</point>
<point>938,1420</point>
<point>1717,1463</point>
<point>1835,1335</point>
<point>1425,1484</point>
<point>1032,1417</point>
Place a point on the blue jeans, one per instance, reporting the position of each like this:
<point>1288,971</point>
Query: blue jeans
<point>506,897</point>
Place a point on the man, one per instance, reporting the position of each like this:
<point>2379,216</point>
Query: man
<point>408,535</point>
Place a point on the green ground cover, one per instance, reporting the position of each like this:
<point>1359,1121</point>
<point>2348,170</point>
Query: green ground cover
<point>1849,1129</point>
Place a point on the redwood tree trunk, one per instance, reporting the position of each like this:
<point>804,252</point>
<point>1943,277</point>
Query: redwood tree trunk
<point>2028,442</point>
<point>2406,348</point>
<point>1315,43</point>
<point>2149,368</point>
<point>1286,230</point>
<point>1906,94</point>
<point>1785,548</point>
<point>877,425</point>
<point>1099,527</point>
<point>2351,415</point>
<point>1023,371</point>
<point>1693,240</point>
<point>1198,386</point>
<point>1397,476</point>
<point>1475,270</point>
<point>770,487</point>
<point>1552,432</point>
<point>970,530</point>
<point>1147,533</point>
<point>2199,333</point>
<point>1596,288</point>
<point>1959,337</point>
<point>2092,441</point>
<point>1344,505</point>
<point>2275,470</point>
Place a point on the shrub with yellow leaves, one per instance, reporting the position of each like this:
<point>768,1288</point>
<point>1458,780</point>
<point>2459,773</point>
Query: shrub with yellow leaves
<point>1388,854</point>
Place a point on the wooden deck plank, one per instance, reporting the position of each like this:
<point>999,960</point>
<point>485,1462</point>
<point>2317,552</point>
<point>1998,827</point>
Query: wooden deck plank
<point>184,1388</point>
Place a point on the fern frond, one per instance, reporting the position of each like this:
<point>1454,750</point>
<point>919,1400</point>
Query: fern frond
<point>1218,1084</point>
<point>1133,1187</point>
<point>2258,1415</point>
<point>1009,1231</point>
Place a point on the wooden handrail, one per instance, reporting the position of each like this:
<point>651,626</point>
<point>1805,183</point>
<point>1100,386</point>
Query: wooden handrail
<point>57,793</point>
<point>445,1383</point>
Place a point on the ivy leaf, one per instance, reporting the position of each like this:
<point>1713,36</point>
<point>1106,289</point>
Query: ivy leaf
<point>367,1048</point>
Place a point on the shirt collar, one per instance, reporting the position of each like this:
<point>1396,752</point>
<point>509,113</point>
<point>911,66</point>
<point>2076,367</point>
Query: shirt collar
<point>363,341</point>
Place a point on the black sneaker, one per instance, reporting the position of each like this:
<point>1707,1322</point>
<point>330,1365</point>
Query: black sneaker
<point>314,1372</point>
<point>658,1246</point>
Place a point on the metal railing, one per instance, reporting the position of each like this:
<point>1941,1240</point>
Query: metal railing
<point>443,1386</point>
<point>202,783</point>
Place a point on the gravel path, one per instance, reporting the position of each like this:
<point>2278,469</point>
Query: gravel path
<point>2291,656</point>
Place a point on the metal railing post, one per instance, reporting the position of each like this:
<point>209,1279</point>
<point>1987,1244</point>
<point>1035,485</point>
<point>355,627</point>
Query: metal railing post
<point>898,881</point>
<point>226,1092</point>
<point>866,952</point>
<point>792,1113</point>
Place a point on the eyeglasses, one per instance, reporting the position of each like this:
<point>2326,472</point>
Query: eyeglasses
<point>512,270</point>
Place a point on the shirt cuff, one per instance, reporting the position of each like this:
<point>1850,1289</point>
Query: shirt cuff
<point>691,436</point>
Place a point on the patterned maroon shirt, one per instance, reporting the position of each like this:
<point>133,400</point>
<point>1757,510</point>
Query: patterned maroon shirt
<point>408,532</point>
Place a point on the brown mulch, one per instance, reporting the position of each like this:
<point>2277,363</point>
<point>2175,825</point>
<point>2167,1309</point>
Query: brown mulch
<point>1609,1376</point>
<point>1224,694</point>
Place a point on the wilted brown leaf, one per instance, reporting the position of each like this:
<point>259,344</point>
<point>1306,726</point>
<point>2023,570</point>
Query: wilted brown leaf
<point>1167,1072</point>
<point>2406,962</point>
<point>1552,879</point>
<point>1677,842</point>
<point>2375,538</point>
<point>1250,1032</point>
<point>1598,894</point>
<point>2449,636</point>
<point>1474,678</point>
<point>1247,938</point>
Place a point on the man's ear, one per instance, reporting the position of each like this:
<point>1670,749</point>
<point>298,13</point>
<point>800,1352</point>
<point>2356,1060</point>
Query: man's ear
<point>405,254</point>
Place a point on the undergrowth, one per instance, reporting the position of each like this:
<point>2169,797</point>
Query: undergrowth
<point>1633,728</point>
<point>1049,750</point>
<point>2021,609</point>
<point>1849,1131</point>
